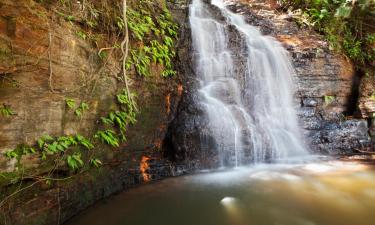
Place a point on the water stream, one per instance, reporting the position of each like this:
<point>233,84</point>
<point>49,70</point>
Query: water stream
<point>247,90</point>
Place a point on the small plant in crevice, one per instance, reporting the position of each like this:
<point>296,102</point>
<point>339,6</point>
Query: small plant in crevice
<point>81,34</point>
<point>71,103</point>
<point>6,111</point>
<point>68,18</point>
<point>96,162</point>
<point>328,99</point>
<point>81,109</point>
<point>78,111</point>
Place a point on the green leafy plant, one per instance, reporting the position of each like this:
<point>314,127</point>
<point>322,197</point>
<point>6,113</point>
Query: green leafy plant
<point>19,151</point>
<point>142,23</point>
<point>71,103</point>
<point>81,35</point>
<point>84,142</point>
<point>140,60</point>
<point>328,99</point>
<point>81,109</point>
<point>6,111</point>
<point>68,18</point>
<point>108,137</point>
<point>47,145</point>
<point>123,117</point>
<point>50,145</point>
<point>346,25</point>
<point>74,161</point>
<point>11,154</point>
<point>95,162</point>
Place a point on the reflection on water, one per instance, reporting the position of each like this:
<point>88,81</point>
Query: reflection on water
<point>328,193</point>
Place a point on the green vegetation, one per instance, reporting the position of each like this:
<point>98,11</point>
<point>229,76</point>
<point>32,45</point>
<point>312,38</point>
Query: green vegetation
<point>118,120</point>
<point>81,109</point>
<point>6,111</point>
<point>69,148</point>
<point>18,152</point>
<point>157,36</point>
<point>348,25</point>
<point>328,99</point>
<point>74,161</point>
<point>78,111</point>
<point>81,34</point>
<point>95,162</point>
<point>151,27</point>
<point>71,103</point>
<point>108,137</point>
<point>59,146</point>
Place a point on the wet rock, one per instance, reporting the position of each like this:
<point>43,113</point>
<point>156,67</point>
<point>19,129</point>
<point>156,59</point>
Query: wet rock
<point>346,137</point>
<point>311,102</point>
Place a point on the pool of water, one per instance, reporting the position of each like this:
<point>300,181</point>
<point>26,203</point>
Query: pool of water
<point>312,193</point>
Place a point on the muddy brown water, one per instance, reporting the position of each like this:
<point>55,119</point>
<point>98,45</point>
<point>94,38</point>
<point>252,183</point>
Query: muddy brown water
<point>333,192</point>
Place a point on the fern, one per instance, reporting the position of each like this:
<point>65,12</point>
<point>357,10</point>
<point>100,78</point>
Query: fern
<point>11,154</point>
<point>74,161</point>
<point>142,24</point>
<point>109,137</point>
<point>84,142</point>
<point>81,109</point>
<point>71,103</point>
<point>6,111</point>
<point>95,162</point>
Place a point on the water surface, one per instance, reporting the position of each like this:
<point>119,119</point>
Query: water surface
<point>328,193</point>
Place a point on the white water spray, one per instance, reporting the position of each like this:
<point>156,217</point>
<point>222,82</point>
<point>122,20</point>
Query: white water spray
<point>248,94</point>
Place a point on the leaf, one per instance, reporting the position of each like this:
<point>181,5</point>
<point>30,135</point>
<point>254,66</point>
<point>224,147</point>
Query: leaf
<point>40,143</point>
<point>84,142</point>
<point>6,111</point>
<point>328,99</point>
<point>74,161</point>
<point>52,147</point>
<point>106,121</point>
<point>78,112</point>
<point>11,154</point>
<point>71,103</point>
<point>109,137</point>
<point>96,162</point>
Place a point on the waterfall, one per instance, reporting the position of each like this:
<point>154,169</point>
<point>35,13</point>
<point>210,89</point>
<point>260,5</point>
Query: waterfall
<point>246,87</point>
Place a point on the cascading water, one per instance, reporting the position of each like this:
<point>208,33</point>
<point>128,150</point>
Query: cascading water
<point>248,95</point>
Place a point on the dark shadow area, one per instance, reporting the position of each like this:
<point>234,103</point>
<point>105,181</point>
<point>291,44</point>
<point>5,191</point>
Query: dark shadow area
<point>352,103</point>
